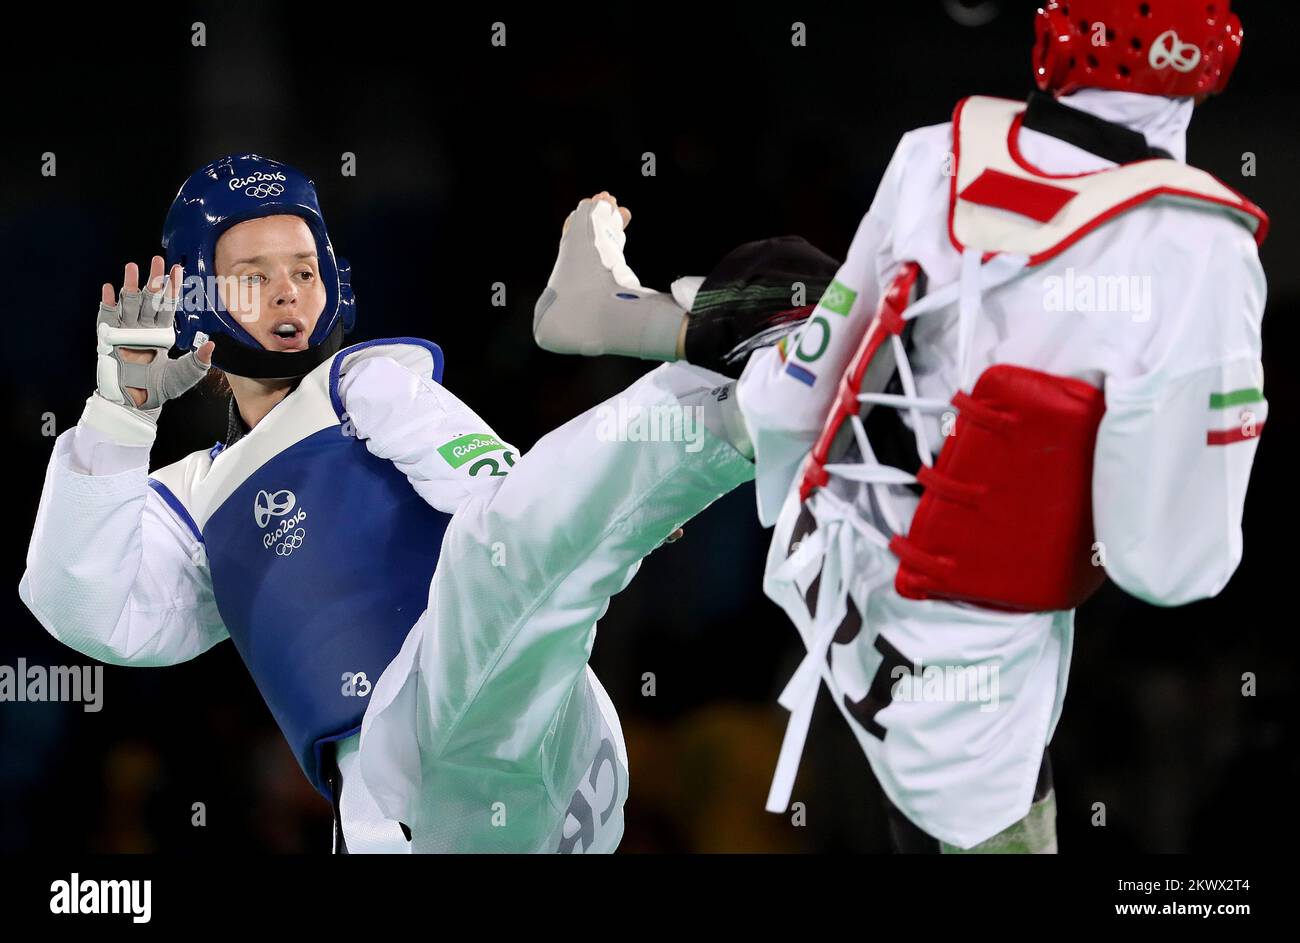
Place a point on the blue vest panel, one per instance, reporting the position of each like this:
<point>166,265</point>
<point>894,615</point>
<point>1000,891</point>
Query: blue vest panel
<point>321,561</point>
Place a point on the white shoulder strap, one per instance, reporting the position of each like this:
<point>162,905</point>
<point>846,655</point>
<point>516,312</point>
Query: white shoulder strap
<point>179,477</point>
<point>1000,203</point>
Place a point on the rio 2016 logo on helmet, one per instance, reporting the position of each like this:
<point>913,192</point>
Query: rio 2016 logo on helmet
<point>1175,48</point>
<point>232,190</point>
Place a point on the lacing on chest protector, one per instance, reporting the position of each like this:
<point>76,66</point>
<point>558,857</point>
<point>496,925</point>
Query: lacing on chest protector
<point>1004,521</point>
<point>830,550</point>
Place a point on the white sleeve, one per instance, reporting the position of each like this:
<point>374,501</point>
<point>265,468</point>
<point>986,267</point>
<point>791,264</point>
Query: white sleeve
<point>444,448</point>
<point>1176,444</point>
<point>528,568</point>
<point>786,391</point>
<point>111,571</point>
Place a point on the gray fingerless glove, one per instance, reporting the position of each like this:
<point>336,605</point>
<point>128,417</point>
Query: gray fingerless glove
<point>143,320</point>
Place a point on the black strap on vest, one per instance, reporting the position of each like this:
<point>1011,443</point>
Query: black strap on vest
<point>1114,142</point>
<point>335,781</point>
<point>334,777</point>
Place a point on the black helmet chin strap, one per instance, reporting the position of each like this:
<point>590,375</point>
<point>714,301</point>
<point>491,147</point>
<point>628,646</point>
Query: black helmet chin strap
<point>258,364</point>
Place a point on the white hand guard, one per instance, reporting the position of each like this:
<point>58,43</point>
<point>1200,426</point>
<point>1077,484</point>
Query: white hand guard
<point>143,320</point>
<point>593,303</point>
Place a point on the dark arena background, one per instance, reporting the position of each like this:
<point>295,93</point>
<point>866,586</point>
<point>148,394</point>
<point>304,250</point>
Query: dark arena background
<point>468,158</point>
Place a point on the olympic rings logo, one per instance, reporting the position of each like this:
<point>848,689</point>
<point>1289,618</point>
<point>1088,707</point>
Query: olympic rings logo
<point>290,543</point>
<point>1169,50</point>
<point>262,190</point>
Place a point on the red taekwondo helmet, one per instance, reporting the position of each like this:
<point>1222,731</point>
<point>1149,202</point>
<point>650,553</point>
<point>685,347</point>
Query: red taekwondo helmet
<point>1177,48</point>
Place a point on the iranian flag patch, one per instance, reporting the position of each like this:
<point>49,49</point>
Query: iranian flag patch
<point>1236,416</point>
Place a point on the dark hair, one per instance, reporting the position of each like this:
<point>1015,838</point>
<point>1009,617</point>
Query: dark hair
<point>214,383</point>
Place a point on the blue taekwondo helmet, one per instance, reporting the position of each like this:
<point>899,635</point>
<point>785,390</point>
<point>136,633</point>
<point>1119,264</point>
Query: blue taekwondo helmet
<point>228,191</point>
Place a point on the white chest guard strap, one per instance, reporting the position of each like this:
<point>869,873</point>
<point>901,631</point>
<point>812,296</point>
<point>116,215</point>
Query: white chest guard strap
<point>999,203</point>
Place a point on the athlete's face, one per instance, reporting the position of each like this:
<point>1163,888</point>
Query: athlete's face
<point>270,280</point>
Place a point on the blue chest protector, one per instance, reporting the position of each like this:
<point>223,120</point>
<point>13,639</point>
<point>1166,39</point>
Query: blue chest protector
<point>321,561</point>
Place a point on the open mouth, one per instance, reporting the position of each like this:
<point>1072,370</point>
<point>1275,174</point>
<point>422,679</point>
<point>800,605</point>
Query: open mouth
<point>289,334</point>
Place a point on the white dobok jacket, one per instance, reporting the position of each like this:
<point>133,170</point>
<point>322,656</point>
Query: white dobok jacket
<point>1158,305</point>
<point>487,731</point>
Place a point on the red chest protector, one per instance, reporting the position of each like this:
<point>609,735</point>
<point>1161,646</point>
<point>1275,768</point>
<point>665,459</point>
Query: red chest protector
<point>1005,520</point>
